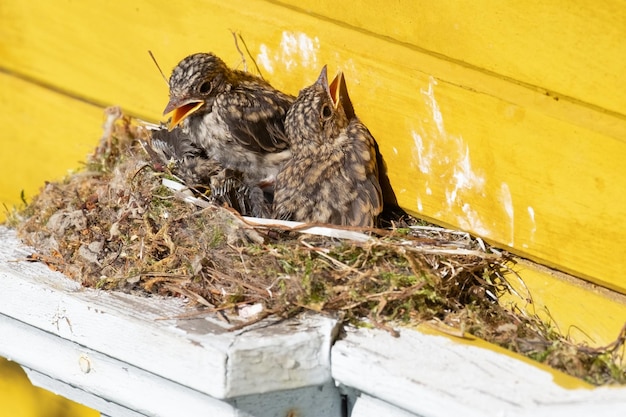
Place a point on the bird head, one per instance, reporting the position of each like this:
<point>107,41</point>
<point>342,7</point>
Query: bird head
<point>331,99</point>
<point>319,114</point>
<point>194,84</point>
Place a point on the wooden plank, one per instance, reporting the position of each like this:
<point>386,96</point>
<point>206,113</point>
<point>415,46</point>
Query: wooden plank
<point>323,400</point>
<point>367,406</point>
<point>290,46</point>
<point>584,312</point>
<point>520,181</point>
<point>540,44</point>
<point>465,147</point>
<point>104,408</point>
<point>121,390</point>
<point>45,135</point>
<point>104,376</point>
<point>197,353</point>
<point>430,375</point>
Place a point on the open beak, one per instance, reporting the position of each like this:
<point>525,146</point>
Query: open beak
<point>333,89</point>
<point>337,91</point>
<point>339,94</point>
<point>180,109</point>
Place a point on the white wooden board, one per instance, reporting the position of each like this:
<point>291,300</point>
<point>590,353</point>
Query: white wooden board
<point>106,408</point>
<point>103,376</point>
<point>135,346</point>
<point>367,406</point>
<point>433,376</point>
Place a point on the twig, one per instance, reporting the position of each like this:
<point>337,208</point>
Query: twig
<point>243,58</point>
<point>320,252</point>
<point>255,320</point>
<point>251,57</point>
<point>349,233</point>
<point>158,67</point>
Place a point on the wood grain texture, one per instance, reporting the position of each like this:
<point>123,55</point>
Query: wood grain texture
<point>508,126</point>
<point>429,375</point>
<point>45,135</point>
<point>585,312</point>
<point>571,48</point>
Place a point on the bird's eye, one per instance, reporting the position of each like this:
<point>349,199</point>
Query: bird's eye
<point>326,112</point>
<point>205,87</point>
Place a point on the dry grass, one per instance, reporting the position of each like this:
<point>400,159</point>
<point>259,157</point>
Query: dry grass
<point>115,226</point>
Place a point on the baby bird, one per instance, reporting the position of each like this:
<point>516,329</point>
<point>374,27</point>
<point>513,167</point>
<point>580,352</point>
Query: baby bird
<point>234,117</point>
<point>333,174</point>
<point>174,150</point>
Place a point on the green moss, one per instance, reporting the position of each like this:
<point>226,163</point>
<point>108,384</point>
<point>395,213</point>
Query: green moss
<point>155,243</point>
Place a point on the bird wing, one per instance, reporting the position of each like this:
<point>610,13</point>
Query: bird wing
<point>368,203</point>
<point>255,116</point>
<point>174,144</point>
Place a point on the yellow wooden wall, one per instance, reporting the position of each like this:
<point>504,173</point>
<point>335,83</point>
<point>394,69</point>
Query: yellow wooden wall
<point>506,119</point>
<point>20,399</point>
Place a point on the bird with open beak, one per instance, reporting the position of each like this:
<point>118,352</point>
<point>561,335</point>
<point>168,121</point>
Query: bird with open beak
<point>333,174</point>
<point>235,117</point>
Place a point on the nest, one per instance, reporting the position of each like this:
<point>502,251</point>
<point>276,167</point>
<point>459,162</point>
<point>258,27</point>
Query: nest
<point>116,225</point>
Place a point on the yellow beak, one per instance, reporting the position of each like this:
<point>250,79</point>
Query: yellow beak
<point>339,94</point>
<point>180,110</point>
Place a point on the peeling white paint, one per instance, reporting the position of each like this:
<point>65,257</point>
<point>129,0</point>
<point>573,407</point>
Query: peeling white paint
<point>263,59</point>
<point>296,49</point>
<point>451,196</point>
<point>423,159</point>
<point>507,201</point>
<point>452,167</point>
<point>434,106</point>
<point>465,178</point>
<point>419,204</point>
<point>531,214</point>
<point>472,221</point>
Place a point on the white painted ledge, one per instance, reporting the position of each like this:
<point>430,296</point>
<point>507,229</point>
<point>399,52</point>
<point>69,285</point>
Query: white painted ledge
<point>118,347</point>
<point>433,376</point>
<point>114,352</point>
<point>367,406</point>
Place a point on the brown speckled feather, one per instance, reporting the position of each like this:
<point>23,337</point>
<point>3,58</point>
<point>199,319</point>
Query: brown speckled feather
<point>175,150</point>
<point>333,174</point>
<point>235,117</point>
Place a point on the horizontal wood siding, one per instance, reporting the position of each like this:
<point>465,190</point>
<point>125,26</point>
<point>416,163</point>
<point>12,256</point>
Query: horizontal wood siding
<point>503,119</point>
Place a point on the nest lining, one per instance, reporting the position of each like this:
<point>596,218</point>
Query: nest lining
<point>122,223</point>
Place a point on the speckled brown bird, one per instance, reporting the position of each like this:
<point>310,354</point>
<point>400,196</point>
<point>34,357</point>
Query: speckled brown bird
<point>333,174</point>
<point>235,117</point>
<point>175,150</point>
